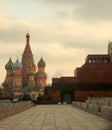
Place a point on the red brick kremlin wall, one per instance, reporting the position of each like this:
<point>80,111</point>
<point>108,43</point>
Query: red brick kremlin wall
<point>83,95</point>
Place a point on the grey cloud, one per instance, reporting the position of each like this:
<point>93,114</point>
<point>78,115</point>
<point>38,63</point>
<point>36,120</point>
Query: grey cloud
<point>60,1</point>
<point>91,10</point>
<point>77,43</point>
<point>88,45</point>
<point>83,9</point>
<point>95,10</point>
<point>11,36</point>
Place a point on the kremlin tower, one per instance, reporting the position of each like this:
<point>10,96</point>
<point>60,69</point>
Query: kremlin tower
<point>24,75</point>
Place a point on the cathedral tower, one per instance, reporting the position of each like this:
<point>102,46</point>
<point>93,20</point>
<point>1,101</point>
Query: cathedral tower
<point>27,61</point>
<point>41,76</point>
<point>17,76</point>
<point>9,73</point>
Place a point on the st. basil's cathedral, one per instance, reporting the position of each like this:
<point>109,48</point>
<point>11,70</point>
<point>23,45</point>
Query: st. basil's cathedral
<point>25,75</point>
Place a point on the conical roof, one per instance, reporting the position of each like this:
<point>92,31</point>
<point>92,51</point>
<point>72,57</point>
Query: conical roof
<point>27,56</point>
<point>41,63</point>
<point>9,65</point>
<point>27,47</point>
<point>17,65</point>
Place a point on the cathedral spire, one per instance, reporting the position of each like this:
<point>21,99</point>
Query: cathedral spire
<point>27,48</point>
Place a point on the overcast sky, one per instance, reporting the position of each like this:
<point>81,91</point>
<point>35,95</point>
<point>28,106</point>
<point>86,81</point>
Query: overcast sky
<point>64,32</point>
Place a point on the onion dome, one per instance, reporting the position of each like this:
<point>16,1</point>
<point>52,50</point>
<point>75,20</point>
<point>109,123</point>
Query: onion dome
<point>41,63</point>
<point>17,65</point>
<point>41,75</point>
<point>27,35</point>
<point>9,65</point>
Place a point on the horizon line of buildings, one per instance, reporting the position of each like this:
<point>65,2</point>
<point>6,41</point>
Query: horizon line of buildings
<point>94,77</point>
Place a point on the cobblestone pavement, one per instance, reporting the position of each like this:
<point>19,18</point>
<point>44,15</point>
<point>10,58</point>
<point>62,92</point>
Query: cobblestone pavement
<point>55,117</point>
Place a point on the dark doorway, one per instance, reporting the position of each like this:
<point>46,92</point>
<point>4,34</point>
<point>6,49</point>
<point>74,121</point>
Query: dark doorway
<point>67,97</point>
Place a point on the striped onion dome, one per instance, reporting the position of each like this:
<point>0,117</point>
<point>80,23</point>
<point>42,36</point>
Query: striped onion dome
<point>9,65</point>
<point>41,63</point>
<point>17,65</point>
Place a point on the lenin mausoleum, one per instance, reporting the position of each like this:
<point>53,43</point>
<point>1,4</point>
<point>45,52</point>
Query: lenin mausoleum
<point>25,76</point>
<point>93,78</point>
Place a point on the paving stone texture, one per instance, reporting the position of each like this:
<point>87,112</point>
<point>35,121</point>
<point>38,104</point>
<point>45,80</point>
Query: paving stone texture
<point>55,117</point>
